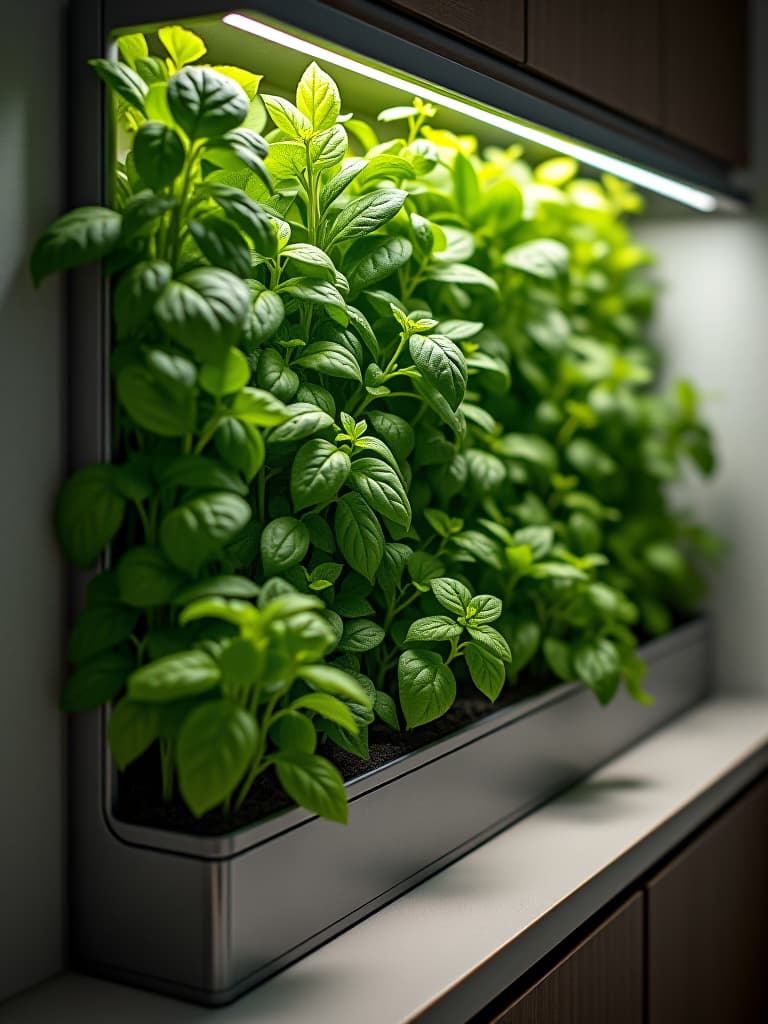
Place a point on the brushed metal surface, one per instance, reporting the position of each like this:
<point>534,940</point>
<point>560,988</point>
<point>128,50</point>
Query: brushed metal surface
<point>206,919</point>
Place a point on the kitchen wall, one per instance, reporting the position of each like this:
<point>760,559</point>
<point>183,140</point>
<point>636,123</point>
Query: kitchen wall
<point>713,324</point>
<point>32,760</point>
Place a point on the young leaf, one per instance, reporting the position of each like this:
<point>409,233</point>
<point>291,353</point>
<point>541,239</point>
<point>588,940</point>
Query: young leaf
<point>483,608</point>
<point>183,46</point>
<point>204,103</point>
<point>317,97</point>
<point>132,728</point>
<point>359,535</point>
<point>89,512</point>
<point>288,118</point>
<point>173,677</point>
<point>284,542</point>
<point>426,685</point>
<point>159,154</point>
<point>317,474</point>
<point>487,671</point>
<point>80,236</point>
<point>433,627</point>
<point>215,746</point>
<point>382,489</point>
<point>314,783</point>
<point>451,594</point>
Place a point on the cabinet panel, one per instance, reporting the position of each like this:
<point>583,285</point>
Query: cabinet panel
<point>705,75</point>
<point>495,25</point>
<point>606,50</point>
<point>708,923</point>
<point>599,982</point>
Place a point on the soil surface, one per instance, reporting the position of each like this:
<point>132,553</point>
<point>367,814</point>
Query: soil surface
<point>139,800</point>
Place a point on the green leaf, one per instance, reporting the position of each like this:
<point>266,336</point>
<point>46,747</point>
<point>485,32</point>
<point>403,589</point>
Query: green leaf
<point>426,686</point>
<point>240,445</point>
<point>304,420</point>
<point>273,374</point>
<point>545,258</point>
<point>89,512</point>
<point>217,586</point>
<point>440,405</point>
<point>433,627</point>
<point>442,363</point>
<point>294,731</point>
<point>527,448</point>
<point>204,310</point>
<point>361,635</point>
<point>386,710</point>
<point>284,543</point>
<point>462,273</point>
<point>483,608</point>
<point>363,215</point>
<point>524,636</point>
<point>132,48</point>
<point>491,640</point>
<point>183,46</point>
<point>240,147</point>
<point>598,664</point>
<point>245,213</point>
<point>328,148</point>
<point>226,377</point>
<point>195,532</point>
<point>423,568</point>
<point>359,535</point>
<point>159,395</point>
<point>451,594</point>
<point>260,408</point>
<point>388,255</point>
<point>332,680</point>
<point>99,629</point>
<point>96,681</point>
<point>538,538</point>
<point>215,746</point>
<point>318,472</point>
<point>159,154</point>
<point>331,359</point>
<point>487,671</point>
<point>465,186</point>
<point>142,211</point>
<point>329,707</point>
<point>146,578</point>
<point>80,236</point>
<point>382,489</point>
<point>222,244</point>
<point>390,571</point>
<point>123,80</point>
<point>173,677</point>
<point>136,293</point>
<point>288,118</point>
<point>133,727</point>
<point>314,783</point>
<point>205,103</point>
<point>317,97</point>
<point>311,261</point>
<point>331,191</point>
<point>308,289</point>
<point>200,473</point>
<point>557,654</point>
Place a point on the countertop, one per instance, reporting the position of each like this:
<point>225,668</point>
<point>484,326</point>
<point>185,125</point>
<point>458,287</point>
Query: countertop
<point>445,949</point>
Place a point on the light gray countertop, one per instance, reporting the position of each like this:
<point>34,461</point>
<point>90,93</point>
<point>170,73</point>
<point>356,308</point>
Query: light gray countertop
<point>445,949</point>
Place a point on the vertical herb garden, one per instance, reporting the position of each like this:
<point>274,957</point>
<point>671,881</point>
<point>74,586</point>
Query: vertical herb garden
<point>388,445</point>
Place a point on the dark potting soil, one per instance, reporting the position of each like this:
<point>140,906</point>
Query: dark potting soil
<point>139,799</point>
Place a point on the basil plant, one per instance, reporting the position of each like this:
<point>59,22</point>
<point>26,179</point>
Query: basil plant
<point>383,428</point>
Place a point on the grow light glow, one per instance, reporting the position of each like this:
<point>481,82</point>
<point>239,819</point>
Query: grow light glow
<point>659,183</point>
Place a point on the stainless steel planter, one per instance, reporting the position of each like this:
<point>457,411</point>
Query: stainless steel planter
<point>207,918</point>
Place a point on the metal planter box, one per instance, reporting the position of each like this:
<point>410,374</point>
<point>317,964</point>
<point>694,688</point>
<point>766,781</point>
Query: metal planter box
<point>207,918</point>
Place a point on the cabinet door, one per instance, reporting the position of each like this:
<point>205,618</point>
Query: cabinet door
<point>599,982</point>
<point>494,25</point>
<point>604,49</point>
<point>705,76</point>
<point>707,915</point>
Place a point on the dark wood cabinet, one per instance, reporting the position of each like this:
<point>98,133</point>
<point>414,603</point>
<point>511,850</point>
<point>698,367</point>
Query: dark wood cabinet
<point>704,56</point>
<point>493,25</point>
<point>599,982</point>
<point>708,923</point>
<point>607,51</point>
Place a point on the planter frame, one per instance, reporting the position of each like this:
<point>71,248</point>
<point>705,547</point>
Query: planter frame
<point>202,917</point>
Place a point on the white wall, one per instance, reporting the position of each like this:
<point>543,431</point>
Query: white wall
<point>32,761</point>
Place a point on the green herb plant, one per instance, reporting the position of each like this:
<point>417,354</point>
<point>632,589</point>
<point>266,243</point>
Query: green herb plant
<point>383,428</point>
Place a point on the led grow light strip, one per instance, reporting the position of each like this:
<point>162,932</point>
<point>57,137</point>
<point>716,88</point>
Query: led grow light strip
<point>664,186</point>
